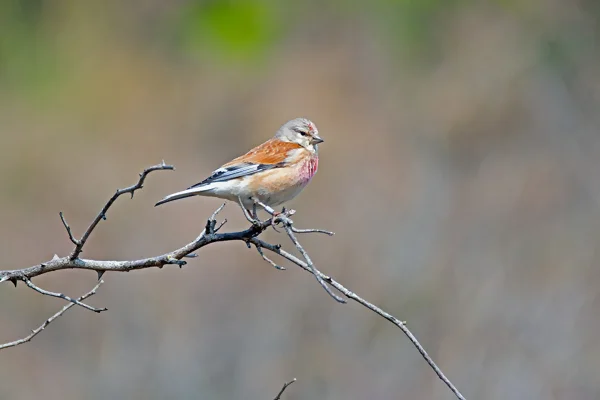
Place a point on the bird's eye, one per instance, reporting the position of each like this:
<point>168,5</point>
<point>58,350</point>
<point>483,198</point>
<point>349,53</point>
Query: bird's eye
<point>300,131</point>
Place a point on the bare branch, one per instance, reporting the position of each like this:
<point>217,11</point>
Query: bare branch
<point>49,320</point>
<point>62,296</point>
<point>68,228</point>
<point>218,228</point>
<point>288,229</point>
<point>285,386</point>
<point>173,257</point>
<point>102,215</point>
<point>351,295</point>
<point>267,259</point>
<point>217,211</point>
<point>309,262</point>
<point>287,224</point>
<point>296,230</point>
<point>207,236</point>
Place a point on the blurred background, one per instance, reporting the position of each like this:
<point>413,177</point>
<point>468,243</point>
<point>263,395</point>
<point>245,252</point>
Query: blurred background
<point>460,172</point>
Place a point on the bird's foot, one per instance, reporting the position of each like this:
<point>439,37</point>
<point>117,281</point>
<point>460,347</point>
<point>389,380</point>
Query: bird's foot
<point>275,220</point>
<point>282,217</point>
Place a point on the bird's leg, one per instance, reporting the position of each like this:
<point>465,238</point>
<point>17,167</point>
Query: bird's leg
<point>252,219</point>
<point>275,221</point>
<point>252,213</point>
<point>274,214</point>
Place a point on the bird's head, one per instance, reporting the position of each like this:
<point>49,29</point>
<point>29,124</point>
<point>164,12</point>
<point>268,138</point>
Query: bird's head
<point>301,131</point>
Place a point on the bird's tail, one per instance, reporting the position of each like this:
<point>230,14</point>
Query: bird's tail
<point>182,195</point>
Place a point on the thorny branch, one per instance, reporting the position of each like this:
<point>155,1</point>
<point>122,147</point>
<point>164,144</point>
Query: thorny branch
<point>210,234</point>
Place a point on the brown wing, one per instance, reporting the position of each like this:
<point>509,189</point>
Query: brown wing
<point>268,155</point>
<point>273,151</point>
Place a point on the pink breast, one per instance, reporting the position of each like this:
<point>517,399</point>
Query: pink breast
<point>309,169</point>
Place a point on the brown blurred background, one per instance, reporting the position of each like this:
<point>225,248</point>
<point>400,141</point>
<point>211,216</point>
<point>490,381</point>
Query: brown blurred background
<point>460,172</point>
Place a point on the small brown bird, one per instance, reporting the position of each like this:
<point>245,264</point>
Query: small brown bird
<point>272,173</point>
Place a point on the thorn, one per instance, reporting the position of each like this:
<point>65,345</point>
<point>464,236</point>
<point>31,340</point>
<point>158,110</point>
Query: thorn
<point>191,255</point>
<point>56,257</point>
<point>104,217</point>
<point>100,274</point>
<point>278,246</point>
<point>248,245</point>
<point>14,281</point>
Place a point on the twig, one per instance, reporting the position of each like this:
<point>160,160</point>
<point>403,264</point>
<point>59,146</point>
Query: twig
<point>34,332</point>
<point>351,295</point>
<point>102,215</point>
<point>218,228</point>
<point>296,230</point>
<point>287,224</point>
<point>68,228</point>
<point>310,264</point>
<point>267,259</point>
<point>217,211</point>
<point>285,386</point>
<point>212,222</point>
<point>62,296</point>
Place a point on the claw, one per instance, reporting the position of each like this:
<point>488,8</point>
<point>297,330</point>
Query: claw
<point>274,221</point>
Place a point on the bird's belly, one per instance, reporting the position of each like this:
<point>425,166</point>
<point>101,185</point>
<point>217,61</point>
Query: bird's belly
<point>278,186</point>
<point>273,187</point>
<point>275,198</point>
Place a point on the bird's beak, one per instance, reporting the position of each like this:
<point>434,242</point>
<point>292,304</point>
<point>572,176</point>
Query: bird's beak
<point>316,140</point>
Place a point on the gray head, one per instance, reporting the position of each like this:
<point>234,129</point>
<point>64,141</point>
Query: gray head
<point>301,131</point>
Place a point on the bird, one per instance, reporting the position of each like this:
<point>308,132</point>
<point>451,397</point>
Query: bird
<point>272,173</point>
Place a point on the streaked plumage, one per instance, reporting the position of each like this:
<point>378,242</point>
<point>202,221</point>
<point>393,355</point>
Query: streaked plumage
<point>273,172</point>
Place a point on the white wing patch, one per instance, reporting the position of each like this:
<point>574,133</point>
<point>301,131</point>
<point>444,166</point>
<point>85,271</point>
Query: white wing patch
<point>233,172</point>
